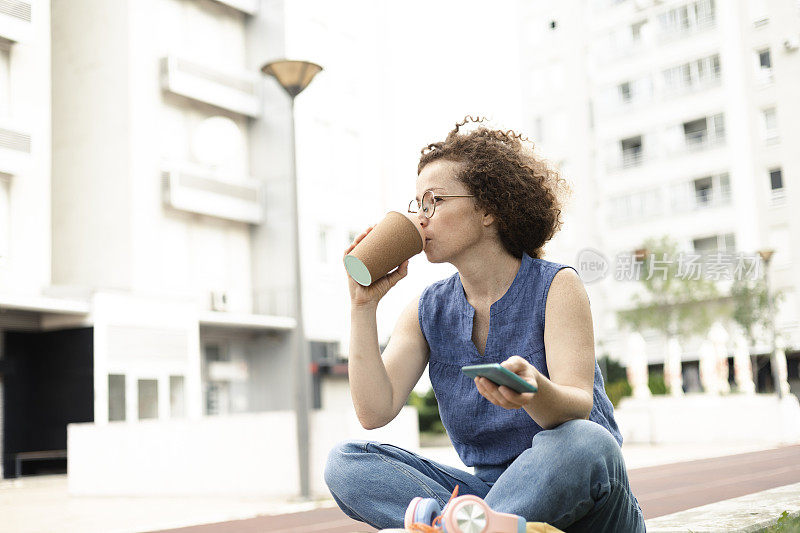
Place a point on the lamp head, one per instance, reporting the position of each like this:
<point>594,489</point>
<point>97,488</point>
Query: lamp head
<point>766,255</point>
<point>293,76</point>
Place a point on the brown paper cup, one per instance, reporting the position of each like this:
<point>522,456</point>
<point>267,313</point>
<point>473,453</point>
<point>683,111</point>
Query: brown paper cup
<point>395,239</point>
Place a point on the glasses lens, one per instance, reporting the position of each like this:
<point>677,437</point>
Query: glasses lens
<point>412,206</point>
<point>428,204</point>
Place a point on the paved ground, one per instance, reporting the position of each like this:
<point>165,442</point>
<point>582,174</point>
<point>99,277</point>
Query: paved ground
<point>667,489</point>
<point>22,500</point>
<point>660,490</point>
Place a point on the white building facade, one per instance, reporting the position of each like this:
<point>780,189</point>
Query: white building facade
<point>670,118</point>
<point>145,231</point>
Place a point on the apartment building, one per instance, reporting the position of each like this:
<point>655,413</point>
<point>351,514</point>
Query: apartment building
<point>671,118</point>
<point>145,231</point>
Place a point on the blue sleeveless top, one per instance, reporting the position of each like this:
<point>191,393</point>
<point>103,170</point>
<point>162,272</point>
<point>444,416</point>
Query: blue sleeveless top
<point>482,433</point>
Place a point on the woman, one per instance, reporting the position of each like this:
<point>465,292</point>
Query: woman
<point>551,456</point>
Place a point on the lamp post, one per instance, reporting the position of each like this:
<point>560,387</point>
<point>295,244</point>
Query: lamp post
<point>766,256</point>
<point>294,77</point>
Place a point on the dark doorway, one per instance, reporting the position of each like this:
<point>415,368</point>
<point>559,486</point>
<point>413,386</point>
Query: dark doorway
<point>47,383</point>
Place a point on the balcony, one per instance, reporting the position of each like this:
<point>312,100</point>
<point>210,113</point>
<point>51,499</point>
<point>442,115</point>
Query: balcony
<point>15,21</point>
<point>632,158</point>
<point>699,141</point>
<point>205,193</point>
<point>233,91</point>
<point>671,32</point>
<point>764,77</point>
<point>683,88</point>
<point>248,7</point>
<point>15,149</point>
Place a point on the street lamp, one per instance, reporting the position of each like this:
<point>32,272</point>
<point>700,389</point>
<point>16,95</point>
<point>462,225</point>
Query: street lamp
<point>766,256</point>
<point>294,77</point>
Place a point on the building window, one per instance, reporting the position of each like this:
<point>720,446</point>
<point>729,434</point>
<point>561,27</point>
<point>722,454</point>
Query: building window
<point>764,70</point>
<point>636,31</point>
<point>324,351</point>
<point>625,92</point>
<point>703,190</point>
<point>704,132</point>
<point>778,194</point>
<point>776,179</point>
<point>177,397</point>
<point>725,243</point>
<point>217,390</point>
<point>116,397</point>
<point>687,18</point>
<point>701,193</point>
<point>769,125</point>
<point>692,76</point>
<point>631,151</point>
<point>148,398</point>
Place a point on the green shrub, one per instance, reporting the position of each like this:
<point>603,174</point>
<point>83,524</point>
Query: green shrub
<point>428,409</point>
<point>618,390</point>
<point>786,524</point>
<point>612,370</point>
<point>656,383</point>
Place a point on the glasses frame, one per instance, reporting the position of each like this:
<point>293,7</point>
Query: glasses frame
<point>415,209</point>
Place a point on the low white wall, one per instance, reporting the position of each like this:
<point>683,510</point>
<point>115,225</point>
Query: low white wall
<point>246,454</point>
<point>701,418</point>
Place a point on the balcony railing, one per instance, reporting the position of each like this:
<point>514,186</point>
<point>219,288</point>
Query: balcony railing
<point>15,149</point>
<point>764,76</point>
<point>675,31</point>
<point>15,21</point>
<point>698,141</point>
<point>682,88</point>
<point>632,158</point>
<point>712,198</point>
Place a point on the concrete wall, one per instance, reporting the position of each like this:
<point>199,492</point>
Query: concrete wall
<point>705,418</point>
<point>248,454</point>
<point>91,157</point>
<point>25,209</point>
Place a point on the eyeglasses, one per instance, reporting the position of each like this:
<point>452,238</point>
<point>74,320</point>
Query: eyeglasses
<point>428,204</point>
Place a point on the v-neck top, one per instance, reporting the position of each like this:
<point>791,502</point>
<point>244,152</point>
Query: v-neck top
<point>482,433</point>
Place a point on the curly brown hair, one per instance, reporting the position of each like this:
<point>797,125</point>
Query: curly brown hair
<point>523,192</point>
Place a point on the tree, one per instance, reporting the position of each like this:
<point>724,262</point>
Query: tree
<point>751,308</point>
<point>674,300</point>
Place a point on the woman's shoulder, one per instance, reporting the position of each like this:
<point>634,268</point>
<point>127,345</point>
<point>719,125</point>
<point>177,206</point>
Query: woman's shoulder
<point>550,267</point>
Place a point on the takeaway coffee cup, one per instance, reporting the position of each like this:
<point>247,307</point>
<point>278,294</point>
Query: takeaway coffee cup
<point>395,239</point>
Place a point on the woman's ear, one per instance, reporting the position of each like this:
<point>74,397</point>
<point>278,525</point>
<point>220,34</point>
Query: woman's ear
<point>488,219</point>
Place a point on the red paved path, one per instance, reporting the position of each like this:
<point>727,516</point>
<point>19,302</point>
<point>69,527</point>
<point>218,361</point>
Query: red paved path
<point>660,490</point>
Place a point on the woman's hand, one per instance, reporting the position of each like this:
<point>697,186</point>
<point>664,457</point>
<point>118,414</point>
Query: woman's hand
<point>504,396</point>
<point>371,295</point>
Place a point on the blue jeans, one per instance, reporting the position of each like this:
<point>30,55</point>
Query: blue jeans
<point>572,477</point>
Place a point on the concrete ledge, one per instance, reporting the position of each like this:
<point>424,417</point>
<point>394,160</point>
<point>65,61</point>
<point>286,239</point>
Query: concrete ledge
<point>745,514</point>
<point>707,418</point>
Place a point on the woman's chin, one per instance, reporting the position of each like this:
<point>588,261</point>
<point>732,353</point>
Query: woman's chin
<point>432,257</point>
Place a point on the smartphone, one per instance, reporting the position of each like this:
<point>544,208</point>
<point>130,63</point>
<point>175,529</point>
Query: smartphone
<point>499,376</point>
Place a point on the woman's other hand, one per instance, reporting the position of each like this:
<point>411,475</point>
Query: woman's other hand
<point>504,396</point>
<point>371,295</point>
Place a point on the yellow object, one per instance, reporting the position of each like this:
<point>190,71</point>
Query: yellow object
<point>541,527</point>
